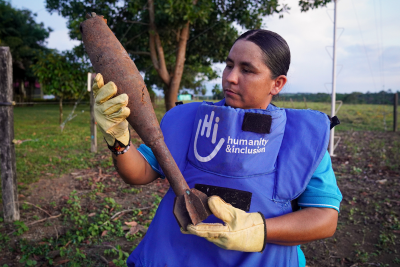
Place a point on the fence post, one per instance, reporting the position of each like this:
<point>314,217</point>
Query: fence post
<point>395,104</point>
<point>7,149</point>
<point>93,129</point>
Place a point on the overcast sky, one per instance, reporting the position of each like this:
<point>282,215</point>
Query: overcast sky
<point>368,51</point>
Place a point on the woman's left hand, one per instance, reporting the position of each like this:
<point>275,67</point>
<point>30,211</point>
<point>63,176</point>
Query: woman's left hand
<point>242,231</point>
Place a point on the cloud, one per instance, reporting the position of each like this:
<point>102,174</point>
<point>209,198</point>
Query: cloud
<point>369,25</point>
<point>370,34</point>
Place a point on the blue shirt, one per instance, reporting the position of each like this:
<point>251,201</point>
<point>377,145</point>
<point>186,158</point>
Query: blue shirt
<point>321,192</point>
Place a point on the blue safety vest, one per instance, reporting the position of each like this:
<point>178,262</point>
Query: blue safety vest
<point>210,147</point>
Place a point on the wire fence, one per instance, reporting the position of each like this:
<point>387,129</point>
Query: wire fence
<point>357,117</point>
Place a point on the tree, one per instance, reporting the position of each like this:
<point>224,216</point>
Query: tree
<point>25,37</point>
<point>217,92</point>
<point>61,75</point>
<point>203,90</point>
<point>173,42</point>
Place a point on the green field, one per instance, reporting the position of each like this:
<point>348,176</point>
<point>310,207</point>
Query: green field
<point>50,153</point>
<point>91,194</point>
<point>352,117</point>
<point>46,151</point>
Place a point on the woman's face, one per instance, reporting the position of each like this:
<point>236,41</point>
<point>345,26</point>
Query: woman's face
<point>246,79</point>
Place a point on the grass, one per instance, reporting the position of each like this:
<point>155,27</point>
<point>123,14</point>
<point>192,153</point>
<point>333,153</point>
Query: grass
<point>360,117</point>
<point>50,153</point>
<point>47,152</point>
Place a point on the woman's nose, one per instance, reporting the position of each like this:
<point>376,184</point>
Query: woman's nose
<point>232,76</point>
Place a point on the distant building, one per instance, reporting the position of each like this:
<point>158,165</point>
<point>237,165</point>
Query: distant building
<point>184,97</point>
<point>27,91</point>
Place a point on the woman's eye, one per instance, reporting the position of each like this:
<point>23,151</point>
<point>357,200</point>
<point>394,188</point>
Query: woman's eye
<point>229,66</point>
<point>246,70</point>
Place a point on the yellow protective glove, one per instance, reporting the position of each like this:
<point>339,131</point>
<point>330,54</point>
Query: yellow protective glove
<point>242,231</point>
<point>110,113</point>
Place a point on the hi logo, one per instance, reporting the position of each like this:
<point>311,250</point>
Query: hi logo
<point>208,125</point>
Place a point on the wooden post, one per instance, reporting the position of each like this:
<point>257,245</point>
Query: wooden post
<point>395,104</point>
<point>305,101</point>
<point>93,129</point>
<point>7,149</point>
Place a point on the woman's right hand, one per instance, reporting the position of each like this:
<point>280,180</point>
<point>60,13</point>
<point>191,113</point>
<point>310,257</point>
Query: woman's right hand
<point>111,112</point>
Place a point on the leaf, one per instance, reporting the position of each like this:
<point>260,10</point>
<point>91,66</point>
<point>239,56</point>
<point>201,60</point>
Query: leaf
<point>383,181</point>
<point>61,262</point>
<point>104,233</point>
<point>131,224</point>
<point>132,231</point>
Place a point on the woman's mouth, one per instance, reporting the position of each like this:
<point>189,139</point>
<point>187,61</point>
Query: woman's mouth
<point>229,92</point>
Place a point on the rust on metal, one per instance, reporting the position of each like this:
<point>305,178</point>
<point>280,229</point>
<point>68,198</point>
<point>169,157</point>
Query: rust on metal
<point>109,58</point>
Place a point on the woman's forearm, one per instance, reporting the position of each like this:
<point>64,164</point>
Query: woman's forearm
<point>133,168</point>
<point>302,226</point>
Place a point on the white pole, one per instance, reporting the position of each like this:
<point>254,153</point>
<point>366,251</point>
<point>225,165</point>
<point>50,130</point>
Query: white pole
<point>333,105</point>
<point>93,129</point>
<point>89,81</point>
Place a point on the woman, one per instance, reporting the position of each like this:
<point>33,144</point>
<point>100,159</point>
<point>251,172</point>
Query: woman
<point>242,142</point>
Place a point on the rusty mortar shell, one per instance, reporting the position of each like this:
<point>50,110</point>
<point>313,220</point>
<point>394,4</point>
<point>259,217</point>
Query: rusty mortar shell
<point>109,58</point>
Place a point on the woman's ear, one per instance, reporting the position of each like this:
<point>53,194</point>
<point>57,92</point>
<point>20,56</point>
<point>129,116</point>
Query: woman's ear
<point>279,84</point>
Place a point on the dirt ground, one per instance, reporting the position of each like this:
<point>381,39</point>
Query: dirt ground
<point>368,175</point>
<point>367,234</point>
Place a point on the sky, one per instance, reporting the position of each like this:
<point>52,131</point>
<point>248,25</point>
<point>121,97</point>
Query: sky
<point>368,50</point>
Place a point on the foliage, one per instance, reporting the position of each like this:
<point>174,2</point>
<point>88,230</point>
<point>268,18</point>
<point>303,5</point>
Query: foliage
<point>203,90</point>
<point>24,36</point>
<point>61,74</point>
<point>122,256</point>
<point>212,30</point>
<point>83,232</point>
<point>86,227</point>
<point>4,239</point>
<point>311,4</point>
<point>20,228</point>
<point>217,92</point>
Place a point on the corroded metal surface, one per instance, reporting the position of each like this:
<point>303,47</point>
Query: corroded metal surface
<point>191,207</point>
<point>109,58</point>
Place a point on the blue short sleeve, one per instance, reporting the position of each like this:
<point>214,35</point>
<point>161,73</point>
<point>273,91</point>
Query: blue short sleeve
<point>322,190</point>
<point>150,158</point>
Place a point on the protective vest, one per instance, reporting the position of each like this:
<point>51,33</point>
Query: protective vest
<point>271,153</point>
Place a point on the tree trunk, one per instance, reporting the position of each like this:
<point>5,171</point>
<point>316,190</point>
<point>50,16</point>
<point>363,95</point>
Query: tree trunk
<point>41,92</point>
<point>171,81</point>
<point>170,97</point>
<point>173,87</point>
<point>156,49</point>
<point>22,90</point>
<point>7,149</point>
<point>31,91</point>
<point>61,110</point>
<point>167,99</point>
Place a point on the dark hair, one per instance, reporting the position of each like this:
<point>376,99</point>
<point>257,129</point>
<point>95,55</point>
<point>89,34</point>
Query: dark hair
<point>276,50</point>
